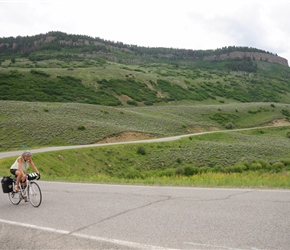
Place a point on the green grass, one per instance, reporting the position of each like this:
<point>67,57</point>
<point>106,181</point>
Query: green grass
<point>223,159</point>
<point>82,95</point>
<point>106,83</point>
<point>39,124</point>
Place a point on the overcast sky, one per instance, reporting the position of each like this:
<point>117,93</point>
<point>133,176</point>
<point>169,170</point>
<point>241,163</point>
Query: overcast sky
<point>185,24</point>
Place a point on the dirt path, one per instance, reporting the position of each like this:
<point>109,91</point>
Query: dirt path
<point>135,137</point>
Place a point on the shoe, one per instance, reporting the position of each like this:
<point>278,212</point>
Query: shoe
<point>16,189</point>
<point>25,199</point>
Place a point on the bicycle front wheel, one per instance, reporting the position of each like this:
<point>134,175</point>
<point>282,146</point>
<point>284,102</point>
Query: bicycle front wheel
<point>34,194</point>
<point>14,197</point>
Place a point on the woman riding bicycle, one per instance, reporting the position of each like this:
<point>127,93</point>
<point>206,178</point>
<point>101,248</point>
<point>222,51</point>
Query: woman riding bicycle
<point>20,166</point>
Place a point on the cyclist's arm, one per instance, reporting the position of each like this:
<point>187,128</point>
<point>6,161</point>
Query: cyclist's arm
<point>34,167</point>
<point>20,165</point>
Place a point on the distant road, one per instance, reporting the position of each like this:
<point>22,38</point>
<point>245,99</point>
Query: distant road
<point>171,138</point>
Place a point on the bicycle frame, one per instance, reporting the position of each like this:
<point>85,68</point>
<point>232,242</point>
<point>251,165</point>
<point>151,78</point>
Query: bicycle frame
<point>31,192</point>
<point>23,189</point>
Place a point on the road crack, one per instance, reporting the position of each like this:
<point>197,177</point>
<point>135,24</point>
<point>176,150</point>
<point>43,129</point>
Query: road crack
<point>166,198</point>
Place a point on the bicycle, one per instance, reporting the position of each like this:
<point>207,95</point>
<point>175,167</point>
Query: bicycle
<point>31,192</point>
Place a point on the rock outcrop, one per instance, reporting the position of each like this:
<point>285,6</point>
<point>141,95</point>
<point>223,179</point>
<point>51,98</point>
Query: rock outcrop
<point>253,55</point>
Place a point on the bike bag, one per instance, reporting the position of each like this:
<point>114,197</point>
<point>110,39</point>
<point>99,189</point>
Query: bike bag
<point>7,184</point>
<point>32,176</point>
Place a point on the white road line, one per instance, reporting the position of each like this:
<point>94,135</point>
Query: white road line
<point>213,246</point>
<point>84,236</point>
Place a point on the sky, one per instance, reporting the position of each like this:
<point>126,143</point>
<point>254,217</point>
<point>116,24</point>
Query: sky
<point>183,24</point>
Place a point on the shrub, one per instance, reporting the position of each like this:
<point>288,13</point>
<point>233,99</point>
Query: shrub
<point>237,168</point>
<point>134,174</point>
<point>167,172</point>
<point>190,170</point>
<point>204,170</point>
<point>265,164</point>
<point>134,103</point>
<point>141,151</point>
<point>255,166</point>
<point>39,72</point>
<point>81,128</point>
<point>278,166</point>
<point>148,103</point>
<point>286,162</point>
<point>285,112</point>
<point>179,171</point>
<point>229,126</point>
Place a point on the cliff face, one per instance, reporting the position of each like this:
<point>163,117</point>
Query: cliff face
<point>253,55</point>
<point>30,44</point>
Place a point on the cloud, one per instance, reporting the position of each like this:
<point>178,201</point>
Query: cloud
<point>189,24</point>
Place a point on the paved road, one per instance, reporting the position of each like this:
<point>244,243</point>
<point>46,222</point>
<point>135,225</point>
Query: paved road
<point>95,216</point>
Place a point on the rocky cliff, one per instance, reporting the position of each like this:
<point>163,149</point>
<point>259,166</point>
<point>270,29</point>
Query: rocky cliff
<point>58,40</point>
<point>253,55</point>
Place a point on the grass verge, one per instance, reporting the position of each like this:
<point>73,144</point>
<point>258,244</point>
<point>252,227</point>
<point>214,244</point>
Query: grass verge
<point>254,158</point>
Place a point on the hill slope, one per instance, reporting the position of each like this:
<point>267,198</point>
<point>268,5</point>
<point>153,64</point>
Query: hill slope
<point>56,67</point>
<point>34,125</point>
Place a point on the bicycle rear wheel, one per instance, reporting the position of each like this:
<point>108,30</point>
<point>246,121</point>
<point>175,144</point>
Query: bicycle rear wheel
<point>34,194</point>
<point>14,197</point>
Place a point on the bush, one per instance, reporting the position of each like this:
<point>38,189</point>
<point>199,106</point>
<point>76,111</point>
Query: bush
<point>255,166</point>
<point>39,72</point>
<point>265,164</point>
<point>179,171</point>
<point>167,172</point>
<point>286,162</point>
<point>134,174</point>
<point>237,168</point>
<point>189,170</point>
<point>134,103</point>
<point>278,166</point>
<point>229,126</point>
<point>141,151</point>
<point>148,103</point>
<point>81,128</point>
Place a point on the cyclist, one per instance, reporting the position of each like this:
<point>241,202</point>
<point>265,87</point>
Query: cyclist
<point>19,167</point>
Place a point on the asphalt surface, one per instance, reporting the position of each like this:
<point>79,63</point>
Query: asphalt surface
<point>96,216</point>
<point>92,216</point>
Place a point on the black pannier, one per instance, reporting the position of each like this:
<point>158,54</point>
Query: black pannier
<point>7,184</point>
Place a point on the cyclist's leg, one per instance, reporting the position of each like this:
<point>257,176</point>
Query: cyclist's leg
<point>15,172</point>
<point>19,177</point>
<point>24,185</point>
<point>23,180</point>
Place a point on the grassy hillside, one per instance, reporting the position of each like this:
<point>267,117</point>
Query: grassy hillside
<point>252,158</point>
<point>112,84</point>
<point>71,90</point>
<point>57,67</point>
<point>38,124</point>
